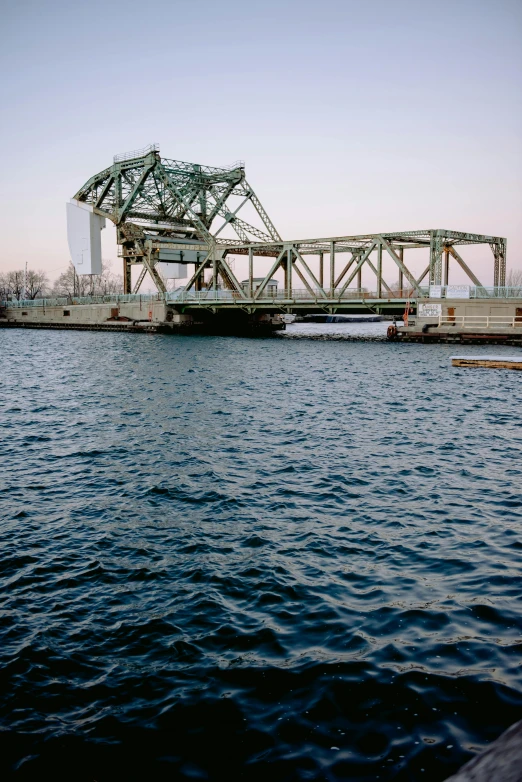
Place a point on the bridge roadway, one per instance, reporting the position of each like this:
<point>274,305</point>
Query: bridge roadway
<point>185,310</point>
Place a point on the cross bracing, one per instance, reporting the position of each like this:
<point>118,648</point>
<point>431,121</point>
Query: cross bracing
<point>159,204</point>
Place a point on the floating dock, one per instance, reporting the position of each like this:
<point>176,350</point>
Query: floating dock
<point>493,362</point>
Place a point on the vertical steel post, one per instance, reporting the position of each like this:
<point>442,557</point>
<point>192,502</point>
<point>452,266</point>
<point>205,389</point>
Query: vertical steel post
<point>435,258</point>
<point>250,272</point>
<point>332,269</point>
<point>401,273</point>
<point>499,253</point>
<point>379,270</point>
<point>502,264</point>
<point>289,273</point>
<point>118,197</point>
<point>198,281</point>
<point>127,279</point>
<point>214,272</point>
<point>359,280</point>
<point>321,270</point>
<point>432,259</point>
<point>446,265</point>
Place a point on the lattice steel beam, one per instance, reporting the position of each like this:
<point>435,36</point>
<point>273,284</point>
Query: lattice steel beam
<point>183,201</point>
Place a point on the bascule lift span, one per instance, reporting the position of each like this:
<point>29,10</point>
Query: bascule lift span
<point>173,220</point>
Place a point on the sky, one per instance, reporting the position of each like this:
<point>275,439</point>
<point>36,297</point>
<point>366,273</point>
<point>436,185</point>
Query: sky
<point>352,116</point>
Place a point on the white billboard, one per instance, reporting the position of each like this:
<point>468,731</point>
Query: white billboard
<point>84,237</point>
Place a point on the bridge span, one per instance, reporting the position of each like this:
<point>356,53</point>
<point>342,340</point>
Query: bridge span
<point>188,227</point>
<point>188,222</point>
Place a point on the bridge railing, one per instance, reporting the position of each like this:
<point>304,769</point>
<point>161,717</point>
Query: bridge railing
<point>136,153</point>
<point>303,294</point>
<point>62,301</point>
<point>297,294</point>
<point>504,321</point>
<point>222,295</point>
<point>475,292</point>
<point>506,292</point>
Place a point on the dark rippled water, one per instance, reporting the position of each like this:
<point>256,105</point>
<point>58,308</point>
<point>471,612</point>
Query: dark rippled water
<point>255,559</point>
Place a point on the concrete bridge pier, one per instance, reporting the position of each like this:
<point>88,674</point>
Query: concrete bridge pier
<point>222,321</point>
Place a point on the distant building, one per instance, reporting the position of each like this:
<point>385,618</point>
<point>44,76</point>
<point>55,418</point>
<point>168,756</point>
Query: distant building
<point>270,287</point>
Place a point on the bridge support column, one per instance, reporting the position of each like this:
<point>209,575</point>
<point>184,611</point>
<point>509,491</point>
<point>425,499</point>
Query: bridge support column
<point>332,269</point>
<point>435,259</point>
<point>288,274</point>
<point>214,273</point>
<point>401,273</point>
<point>321,270</point>
<point>446,265</point>
<point>379,270</point>
<point>499,253</point>
<point>250,272</point>
<point>127,278</point>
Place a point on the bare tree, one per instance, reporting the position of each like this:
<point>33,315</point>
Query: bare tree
<point>514,278</point>
<point>15,281</point>
<point>4,287</point>
<point>108,282</point>
<point>37,284</point>
<point>71,284</point>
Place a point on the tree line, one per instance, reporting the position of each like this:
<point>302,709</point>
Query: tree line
<point>38,286</point>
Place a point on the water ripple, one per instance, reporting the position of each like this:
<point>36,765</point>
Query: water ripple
<point>239,559</point>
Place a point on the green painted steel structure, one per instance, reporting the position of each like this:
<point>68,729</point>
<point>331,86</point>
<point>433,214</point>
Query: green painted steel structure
<point>164,207</point>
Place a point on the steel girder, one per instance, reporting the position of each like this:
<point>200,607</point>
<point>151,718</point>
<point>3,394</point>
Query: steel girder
<point>151,199</point>
<point>436,241</point>
<point>499,253</point>
<point>142,192</point>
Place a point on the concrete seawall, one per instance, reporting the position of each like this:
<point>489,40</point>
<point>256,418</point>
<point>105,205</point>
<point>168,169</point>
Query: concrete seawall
<point>147,316</point>
<point>489,320</point>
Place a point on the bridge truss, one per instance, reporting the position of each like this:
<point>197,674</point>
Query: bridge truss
<point>166,208</point>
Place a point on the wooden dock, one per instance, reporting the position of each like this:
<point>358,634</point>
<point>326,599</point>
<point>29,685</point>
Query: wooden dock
<point>493,362</point>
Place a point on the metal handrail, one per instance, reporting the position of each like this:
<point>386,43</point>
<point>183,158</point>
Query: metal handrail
<point>297,294</point>
<point>62,301</point>
<point>477,320</point>
<point>136,153</point>
<point>484,292</point>
<point>301,294</point>
<point>235,164</point>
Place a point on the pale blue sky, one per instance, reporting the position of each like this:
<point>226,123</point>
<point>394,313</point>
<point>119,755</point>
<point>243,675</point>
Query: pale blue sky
<point>352,117</point>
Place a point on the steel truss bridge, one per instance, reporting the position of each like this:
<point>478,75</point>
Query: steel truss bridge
<point>167,209</point>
